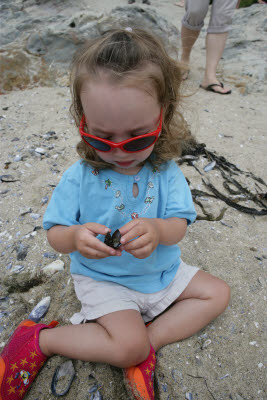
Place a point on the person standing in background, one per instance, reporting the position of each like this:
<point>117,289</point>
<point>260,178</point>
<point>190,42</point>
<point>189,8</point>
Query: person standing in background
<point>217,32</point>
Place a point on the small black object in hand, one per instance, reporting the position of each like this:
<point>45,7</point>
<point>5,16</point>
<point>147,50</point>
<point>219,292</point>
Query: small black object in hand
<point>114,240</point>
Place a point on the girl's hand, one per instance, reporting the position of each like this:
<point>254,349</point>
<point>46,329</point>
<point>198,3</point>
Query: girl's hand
<point>147,240</point>
<point>86,243</point>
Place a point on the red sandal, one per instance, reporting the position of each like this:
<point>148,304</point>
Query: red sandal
<point>21,360</point>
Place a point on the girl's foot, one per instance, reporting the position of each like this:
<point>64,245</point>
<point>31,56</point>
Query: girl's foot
<point>140,378</point>
<point>21,360</point>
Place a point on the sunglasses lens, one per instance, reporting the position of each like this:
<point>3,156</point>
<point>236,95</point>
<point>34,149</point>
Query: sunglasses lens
<point>97,144</point>
<point>139,144</point>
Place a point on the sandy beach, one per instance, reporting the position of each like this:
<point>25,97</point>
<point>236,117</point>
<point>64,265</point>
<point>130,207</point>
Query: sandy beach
<point>227,359</point>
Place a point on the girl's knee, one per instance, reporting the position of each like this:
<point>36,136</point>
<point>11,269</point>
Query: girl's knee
<point>222,294</point>
<point>132,352</point>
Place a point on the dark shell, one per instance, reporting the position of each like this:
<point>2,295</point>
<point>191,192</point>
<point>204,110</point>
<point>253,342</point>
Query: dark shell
<point>62,379</point>
<point>114,240</point>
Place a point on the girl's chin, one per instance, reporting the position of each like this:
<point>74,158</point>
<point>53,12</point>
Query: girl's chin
<point>125,164</point>
<point>129,170</point>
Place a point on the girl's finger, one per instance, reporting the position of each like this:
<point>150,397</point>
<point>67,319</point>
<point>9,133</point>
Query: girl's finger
<point>97,229</point>
<point>97,245</point>
<point>127,227</point>
<point>142,252</point>
<point>137,243</point>
<point>137,230</point>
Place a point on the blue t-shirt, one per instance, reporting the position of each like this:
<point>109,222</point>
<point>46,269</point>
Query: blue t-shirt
<point>104,196</point>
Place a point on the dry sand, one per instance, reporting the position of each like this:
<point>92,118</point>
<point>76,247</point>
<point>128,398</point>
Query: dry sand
<point>231,364</point>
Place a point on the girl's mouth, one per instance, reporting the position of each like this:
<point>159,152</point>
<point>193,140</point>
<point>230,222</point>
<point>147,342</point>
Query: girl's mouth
<point>124,164</point>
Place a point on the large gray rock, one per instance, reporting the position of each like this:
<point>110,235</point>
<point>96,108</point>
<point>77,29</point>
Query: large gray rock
<point>246,48</point>
<point>38,44</point>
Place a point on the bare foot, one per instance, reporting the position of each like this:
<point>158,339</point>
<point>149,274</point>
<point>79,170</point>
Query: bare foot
<point>185,74</point>
<point>180,4</point>
<point>185,67</point>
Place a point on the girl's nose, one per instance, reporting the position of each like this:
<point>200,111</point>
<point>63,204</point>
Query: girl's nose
<point>117,151</point>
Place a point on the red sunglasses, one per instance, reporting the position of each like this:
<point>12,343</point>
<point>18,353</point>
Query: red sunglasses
<point>133,145</point>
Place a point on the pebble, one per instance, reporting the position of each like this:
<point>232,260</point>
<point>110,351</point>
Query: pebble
<point>206,343</point>
<point>93,389</point>
<point>225,376</point>
<point>22,251</point>
<point>40,309</point>
<point>39,150</point>
<point>55,266</point>
<point>164,387</point>
<point>44,200</point>
<point>35,216</point>
<point>25,211</point>
<point>49,135</point>
<point>236,396</point>
<point>50,255</point>
<point>96,396</point>
<point>17,269</point>
<point>189,396</point>
<point>209,166</point>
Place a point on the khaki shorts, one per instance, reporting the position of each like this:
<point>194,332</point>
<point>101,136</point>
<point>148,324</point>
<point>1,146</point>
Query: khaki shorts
<point>220,17</point>
<point>99,298</point>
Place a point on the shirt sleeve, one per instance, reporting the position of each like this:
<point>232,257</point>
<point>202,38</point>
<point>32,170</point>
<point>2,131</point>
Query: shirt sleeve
<point>64,206</point>
<point>179,199</point>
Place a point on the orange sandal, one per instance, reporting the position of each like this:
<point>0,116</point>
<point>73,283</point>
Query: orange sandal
<point>140,378</point>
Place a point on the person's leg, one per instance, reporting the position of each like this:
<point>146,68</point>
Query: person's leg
<point>188,39</point>
<point>204,299</point>
<point>215,43</point>
<point>119,338</point>
<point>217,32</point>
<point>192,22</point>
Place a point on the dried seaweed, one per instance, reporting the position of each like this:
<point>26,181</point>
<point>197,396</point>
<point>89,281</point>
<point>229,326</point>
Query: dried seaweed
<point>231,203</point>
<point>229,173</point>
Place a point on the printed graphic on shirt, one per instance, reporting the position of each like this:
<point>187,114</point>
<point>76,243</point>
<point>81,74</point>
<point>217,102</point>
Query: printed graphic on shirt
<point>118,194</point>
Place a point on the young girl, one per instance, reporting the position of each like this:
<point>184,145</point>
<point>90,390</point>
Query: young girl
<point>126,98</point>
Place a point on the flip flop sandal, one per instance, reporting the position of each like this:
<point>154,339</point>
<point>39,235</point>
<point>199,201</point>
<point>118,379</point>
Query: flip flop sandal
<point>209,88</point>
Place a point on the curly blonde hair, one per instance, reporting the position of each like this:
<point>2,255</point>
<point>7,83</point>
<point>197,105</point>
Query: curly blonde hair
<point>133,58</point>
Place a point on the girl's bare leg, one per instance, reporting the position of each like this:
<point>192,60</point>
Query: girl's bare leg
<point>204,299</point>
<point>119,338</point>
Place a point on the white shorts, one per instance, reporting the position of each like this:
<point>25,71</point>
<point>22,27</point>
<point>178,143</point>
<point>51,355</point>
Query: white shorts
<point>99,298</point>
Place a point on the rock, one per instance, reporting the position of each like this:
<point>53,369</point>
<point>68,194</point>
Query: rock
<point>55,266</point>
<point>17,269</point>
<point>38,47</point>
<point>40,309</point>
<point>35,216</point>
<point>245,53</point>
<point>22,251</point>
<point>40,150</point>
